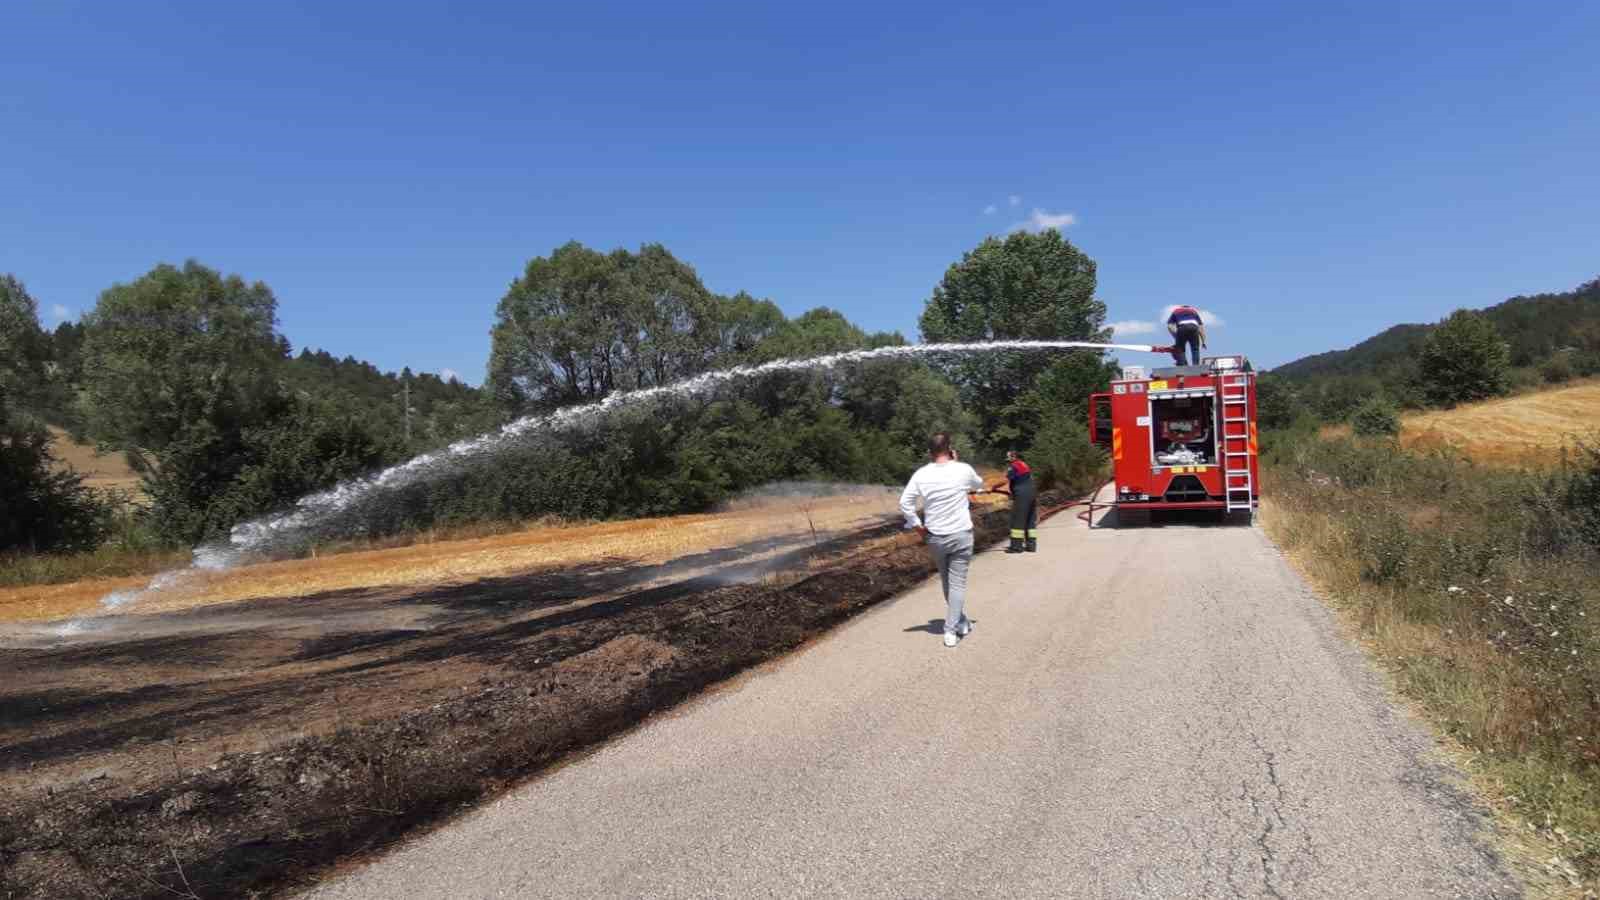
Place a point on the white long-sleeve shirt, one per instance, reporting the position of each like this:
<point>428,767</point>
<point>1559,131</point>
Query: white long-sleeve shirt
<point>943,489</point>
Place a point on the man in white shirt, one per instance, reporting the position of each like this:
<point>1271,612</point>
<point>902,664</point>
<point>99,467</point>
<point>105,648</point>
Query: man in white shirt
<point>943,487</point>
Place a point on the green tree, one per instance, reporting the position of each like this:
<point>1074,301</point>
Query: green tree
<point>184,370</point>
<point>580,324</point>
<point>818,332</point>
<point>1278,401</point>
<point>178,349</point>
<point>1376,417</point>
<point>1063,388</point>
<point>1026,286</point>
<point>41,509</point>
<point>1062,454</point>
<point>1462,360</point>
<point>745,323</point>
<point>24,347</point>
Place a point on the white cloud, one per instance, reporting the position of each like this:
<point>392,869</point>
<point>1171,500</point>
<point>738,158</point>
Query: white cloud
<point>449,375</point>
<point>1042,220</point>
<point>1132,327</point>
<point>60,313</point>
<point>1014,199</point>
<point>1211,319</point>
<point>990,210</point>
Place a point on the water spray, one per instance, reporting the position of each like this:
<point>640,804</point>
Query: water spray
<point>261,537</point>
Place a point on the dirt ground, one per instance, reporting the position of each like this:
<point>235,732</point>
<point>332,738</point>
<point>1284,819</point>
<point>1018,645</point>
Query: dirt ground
<point>236,748</point>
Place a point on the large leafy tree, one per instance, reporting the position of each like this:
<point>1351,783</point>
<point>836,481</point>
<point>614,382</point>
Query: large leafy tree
<point>1025,286</point>
<point>580,324</point>
<point>1462,360</point>
<point>179,349</point>
<point>185,370</point>
<point>745,323</point>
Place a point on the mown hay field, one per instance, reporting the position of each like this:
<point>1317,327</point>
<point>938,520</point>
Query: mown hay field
<point>1531,429</point>
<point>1528,430</point>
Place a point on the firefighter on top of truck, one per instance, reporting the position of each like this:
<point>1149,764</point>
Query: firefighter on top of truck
<point>1188,329</point>
<point>1024,505</point>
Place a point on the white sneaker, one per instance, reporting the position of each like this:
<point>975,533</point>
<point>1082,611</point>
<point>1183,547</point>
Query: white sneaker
<point>951,639</point>
<point>965,628</point>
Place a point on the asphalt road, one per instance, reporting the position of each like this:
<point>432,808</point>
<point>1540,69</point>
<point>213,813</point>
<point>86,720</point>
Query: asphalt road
<point>1162,712</point>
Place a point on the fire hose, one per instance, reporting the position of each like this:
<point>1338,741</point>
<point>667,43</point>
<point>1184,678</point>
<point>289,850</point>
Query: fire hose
<point>1086,515</point>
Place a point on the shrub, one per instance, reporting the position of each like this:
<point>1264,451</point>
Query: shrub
<point>43,510</point>
<point>1557,369</point>
<point>1062,454</point>
<point>1377,417</point>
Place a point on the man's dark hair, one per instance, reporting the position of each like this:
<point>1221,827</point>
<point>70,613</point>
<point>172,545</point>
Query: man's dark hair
<point>939,444</point>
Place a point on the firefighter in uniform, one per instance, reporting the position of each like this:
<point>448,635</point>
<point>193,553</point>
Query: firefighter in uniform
<point>1024,505</point>
<point>1188,331</point>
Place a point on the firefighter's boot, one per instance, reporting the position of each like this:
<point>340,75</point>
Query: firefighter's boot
<point>1033,544</point>
<point>1016,544</point>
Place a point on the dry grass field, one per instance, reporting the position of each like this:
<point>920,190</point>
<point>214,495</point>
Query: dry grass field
<point>104,471</point>
<point>780,520</point>
<point>1526,430</point>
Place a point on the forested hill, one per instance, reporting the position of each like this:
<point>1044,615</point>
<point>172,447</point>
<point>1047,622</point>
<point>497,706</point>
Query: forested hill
<point>440,411</point>
<point>1535,327</point>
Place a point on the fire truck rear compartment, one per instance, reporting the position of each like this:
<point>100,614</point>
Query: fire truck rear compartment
<point>1183,432</point>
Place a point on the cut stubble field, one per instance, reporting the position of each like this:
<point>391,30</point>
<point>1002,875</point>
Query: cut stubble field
<point>1530,429</point>
<point>1526,430</point>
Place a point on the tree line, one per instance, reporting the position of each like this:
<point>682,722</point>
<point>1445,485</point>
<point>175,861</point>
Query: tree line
<point>185,371</point>
<point>1470,355</point>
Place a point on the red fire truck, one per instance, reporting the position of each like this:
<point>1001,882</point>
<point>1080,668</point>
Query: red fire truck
<point>1181,437</point>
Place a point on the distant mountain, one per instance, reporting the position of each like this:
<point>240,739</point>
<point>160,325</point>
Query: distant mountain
<point>1535,327</point>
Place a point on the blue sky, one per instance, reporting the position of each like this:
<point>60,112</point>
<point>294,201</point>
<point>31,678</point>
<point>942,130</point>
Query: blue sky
<point>1310,177</point>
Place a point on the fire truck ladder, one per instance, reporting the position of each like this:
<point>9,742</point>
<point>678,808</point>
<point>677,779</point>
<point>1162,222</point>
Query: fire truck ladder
<point>1238,440</point>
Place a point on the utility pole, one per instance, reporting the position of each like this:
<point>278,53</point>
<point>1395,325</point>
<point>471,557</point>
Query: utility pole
<point>405,401</point>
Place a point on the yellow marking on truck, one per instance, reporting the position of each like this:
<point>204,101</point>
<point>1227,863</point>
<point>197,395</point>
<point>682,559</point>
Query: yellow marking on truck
<point>1158,385</point>
<point>1116,443</point>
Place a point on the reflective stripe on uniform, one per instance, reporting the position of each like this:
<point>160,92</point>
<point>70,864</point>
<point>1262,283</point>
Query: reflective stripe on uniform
<point>1016,533</point>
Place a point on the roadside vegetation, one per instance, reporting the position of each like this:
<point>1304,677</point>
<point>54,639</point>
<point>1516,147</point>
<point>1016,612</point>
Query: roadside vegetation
<point>1475,585</point>
<point>184,372</point>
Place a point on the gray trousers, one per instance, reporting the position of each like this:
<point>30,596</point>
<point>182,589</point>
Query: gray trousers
<point>952,553</point>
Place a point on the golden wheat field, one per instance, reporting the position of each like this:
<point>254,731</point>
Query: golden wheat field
<point>1526,430</point>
